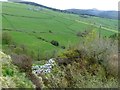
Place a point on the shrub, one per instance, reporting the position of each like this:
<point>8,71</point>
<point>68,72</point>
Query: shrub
<point>114,36</point>
<point>24,48</point>
<point>79,34</point>
<point>82,34</point>
<point>32,54</point>
<point>112,64</point>
<point>6,38</point>
<point>55,43</point>
<point>75,75</point>
<point>18,50</point>
<point>50,31</point>
<point>104,50</point>
<point>39,37</point>
<point>7,71</point>
<point>33,31</point>
<point>21,49</point>
<point>23,62</point>
<point>25,65</point>
<point>63,47</point>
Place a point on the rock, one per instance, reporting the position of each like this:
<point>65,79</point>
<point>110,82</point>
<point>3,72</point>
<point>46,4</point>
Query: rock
<point>12,80</point>
<point>4,58</point>
<point>7,82</point>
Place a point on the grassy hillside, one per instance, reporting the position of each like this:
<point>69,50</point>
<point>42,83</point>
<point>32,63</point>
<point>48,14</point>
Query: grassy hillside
<point>36,27</point>
<point>51,49</point>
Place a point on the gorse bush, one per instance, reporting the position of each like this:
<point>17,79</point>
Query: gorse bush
<point>90,37</point>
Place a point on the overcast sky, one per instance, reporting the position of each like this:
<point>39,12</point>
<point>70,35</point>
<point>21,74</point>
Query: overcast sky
<point>79,4</point>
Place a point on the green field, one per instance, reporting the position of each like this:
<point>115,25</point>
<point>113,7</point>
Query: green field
<point>25,26</point>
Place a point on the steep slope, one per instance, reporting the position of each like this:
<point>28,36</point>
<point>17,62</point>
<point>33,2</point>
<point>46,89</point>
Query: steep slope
<point>57,50</point>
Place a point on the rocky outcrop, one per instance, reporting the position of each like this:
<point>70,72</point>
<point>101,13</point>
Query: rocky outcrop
<point>42,69</point>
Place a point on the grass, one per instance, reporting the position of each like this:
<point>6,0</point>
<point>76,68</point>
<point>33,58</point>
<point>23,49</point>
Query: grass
<point>63,26</point>
<point>109,23</point>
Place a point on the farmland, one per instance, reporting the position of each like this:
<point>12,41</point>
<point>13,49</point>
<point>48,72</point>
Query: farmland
<point>27,24</point>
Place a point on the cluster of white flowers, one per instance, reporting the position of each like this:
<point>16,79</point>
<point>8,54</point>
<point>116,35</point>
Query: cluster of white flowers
<point>46,68</point>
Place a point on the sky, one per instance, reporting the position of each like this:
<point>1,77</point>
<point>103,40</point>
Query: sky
<point>79,4</point>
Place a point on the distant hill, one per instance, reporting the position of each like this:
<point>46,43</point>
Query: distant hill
<point>95,12</point>
<point>36,4</point>
<point>15,0</point>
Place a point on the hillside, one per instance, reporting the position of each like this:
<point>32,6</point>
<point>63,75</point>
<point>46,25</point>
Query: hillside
<point>39,26</point>
<point>53,49</point>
